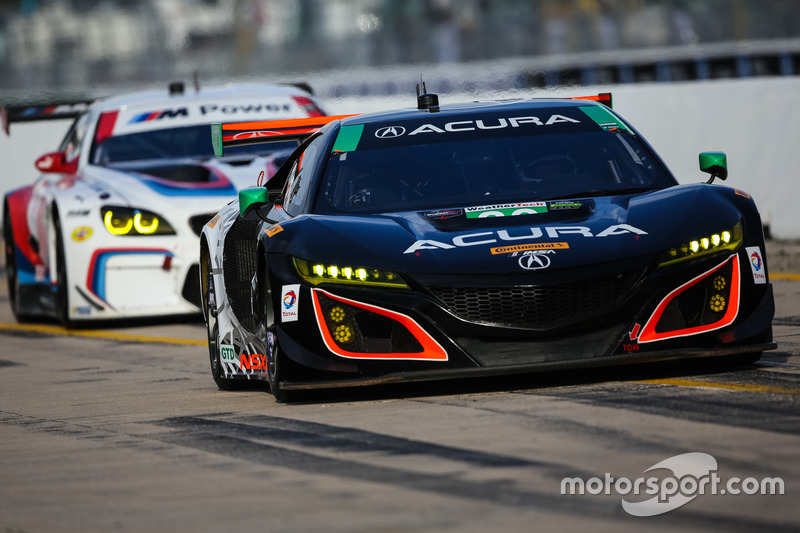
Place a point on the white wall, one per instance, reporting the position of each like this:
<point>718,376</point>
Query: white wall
<point>756,121</point>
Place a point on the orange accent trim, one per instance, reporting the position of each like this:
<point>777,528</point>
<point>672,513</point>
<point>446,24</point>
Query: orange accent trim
<point>649,334</point>
<point>604,98</point>
<point>431,350</point>
<point>287,123</point>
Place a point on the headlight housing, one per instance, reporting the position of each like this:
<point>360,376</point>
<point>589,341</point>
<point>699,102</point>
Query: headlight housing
<point>729,239</point>
<point>119,220</point>
<point>315,273</point>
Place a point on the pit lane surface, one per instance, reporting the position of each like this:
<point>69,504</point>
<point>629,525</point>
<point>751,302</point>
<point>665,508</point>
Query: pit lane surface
<point>122,429</point>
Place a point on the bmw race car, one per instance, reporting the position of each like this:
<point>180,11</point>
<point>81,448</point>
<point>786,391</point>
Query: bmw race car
<point>111,227</point>
<point>478,239</point>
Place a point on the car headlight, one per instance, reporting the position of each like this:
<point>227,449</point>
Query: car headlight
<point>729,239</point>
<point>316,273</point>
<point>120,220</point>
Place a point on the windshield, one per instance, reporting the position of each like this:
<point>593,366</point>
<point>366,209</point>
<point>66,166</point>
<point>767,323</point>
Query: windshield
<point>173,143</point>
<point>488,170</point>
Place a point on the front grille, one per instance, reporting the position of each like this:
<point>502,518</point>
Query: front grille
<point>538,306</point>
<point>198,221</point>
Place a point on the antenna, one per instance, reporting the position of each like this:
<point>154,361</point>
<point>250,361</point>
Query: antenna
<point>425,100</point>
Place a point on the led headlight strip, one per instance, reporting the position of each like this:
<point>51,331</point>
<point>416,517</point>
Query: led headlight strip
<point>729,239</point>
<point>318,272</point>
<point>120,220</point>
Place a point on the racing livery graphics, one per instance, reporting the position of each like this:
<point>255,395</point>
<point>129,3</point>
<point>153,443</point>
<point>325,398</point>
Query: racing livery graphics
<point>110,229</point>
<point>476,239</point>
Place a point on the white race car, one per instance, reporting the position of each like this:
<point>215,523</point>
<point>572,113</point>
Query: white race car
<point>111,227</point>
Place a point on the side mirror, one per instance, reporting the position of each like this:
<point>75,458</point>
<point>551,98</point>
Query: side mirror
<point>252,198</point>
<point>55,163</point>
<point>714,163</point>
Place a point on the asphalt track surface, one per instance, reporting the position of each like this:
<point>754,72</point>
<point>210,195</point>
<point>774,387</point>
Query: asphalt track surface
<point>123,429</point>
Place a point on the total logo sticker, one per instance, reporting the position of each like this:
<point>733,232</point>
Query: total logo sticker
<point>289,302</point>
<point>756,260</point>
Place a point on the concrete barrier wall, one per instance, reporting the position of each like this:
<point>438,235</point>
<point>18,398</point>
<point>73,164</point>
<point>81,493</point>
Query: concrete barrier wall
<point>756,121</point>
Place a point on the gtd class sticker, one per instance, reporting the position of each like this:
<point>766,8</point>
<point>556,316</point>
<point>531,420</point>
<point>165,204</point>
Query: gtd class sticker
<point>290,295</point>
<point>756,260</point>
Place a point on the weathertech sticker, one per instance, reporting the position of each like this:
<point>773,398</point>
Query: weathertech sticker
<point>532,246</point>
<point>289,302</point>
<point>503,210</point>
<point>756,261</point>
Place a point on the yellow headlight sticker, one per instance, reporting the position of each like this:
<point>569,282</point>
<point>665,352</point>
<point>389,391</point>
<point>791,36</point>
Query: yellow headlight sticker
<point>117,225</point>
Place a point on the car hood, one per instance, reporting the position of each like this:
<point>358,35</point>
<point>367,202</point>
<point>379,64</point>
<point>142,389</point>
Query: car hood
<point>635,229</point>
<point>210,184</point>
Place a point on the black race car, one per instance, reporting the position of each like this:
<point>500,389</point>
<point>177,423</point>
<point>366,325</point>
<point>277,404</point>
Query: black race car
<point>476,239</point>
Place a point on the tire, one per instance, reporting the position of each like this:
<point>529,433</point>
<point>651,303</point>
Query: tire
<point>11,266</point>
<point>275,372</point>
<point>210,307</point>
<point>61,296</point>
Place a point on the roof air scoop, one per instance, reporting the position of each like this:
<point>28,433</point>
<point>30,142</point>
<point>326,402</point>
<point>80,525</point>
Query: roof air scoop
<point>427,101</point>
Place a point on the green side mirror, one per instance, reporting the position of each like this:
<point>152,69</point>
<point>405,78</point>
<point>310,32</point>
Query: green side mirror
<point>252,198</point>
<point>714,163</point>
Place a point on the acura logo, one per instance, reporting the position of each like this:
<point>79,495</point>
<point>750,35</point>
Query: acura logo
<point>535,260</point>
<point>390,132</point>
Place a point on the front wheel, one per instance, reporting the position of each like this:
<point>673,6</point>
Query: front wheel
<point>275,372</point>
<point>61,295</point>
<point>11,266</point>
<point>210,308</point>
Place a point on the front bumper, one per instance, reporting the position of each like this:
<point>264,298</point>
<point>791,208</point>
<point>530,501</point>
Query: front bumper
<point>609,336</point>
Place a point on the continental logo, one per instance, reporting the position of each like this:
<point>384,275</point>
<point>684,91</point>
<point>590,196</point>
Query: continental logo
<point>272,230</point>
<point>531,246</point>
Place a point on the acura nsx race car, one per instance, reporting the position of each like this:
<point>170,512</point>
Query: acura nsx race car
<point>111,227</point>
<point>483,238</point>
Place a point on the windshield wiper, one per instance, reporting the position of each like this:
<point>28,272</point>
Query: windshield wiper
<point>601,192</point>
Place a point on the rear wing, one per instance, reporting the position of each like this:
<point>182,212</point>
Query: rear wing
<point>245,133</point>
<point>603,98</point>
<point>58,110</point>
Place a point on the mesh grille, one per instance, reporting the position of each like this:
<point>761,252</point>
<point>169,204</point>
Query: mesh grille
<point>538,306</point>
<point>701,304</point>
<point>361,331</point>
<point>238,265</point>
